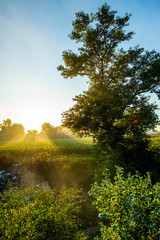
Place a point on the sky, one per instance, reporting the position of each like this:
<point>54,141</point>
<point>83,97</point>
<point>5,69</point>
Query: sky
<point>33,34</point>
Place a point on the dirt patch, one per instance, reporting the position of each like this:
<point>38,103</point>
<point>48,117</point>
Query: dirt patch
<point>28,178</point>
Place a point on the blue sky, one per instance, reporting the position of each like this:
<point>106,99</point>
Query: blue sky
<point>33,35</point>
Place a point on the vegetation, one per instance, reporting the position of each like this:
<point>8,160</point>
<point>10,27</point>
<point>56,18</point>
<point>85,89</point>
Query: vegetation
<point>115,109</point>
<point>15,132</point>
<point>9,130</point>
<point>116,112</point>
<point>37,214</point>
<point>61,161</point>
<point>68,162</point>
<point>56,147</point>
<point>128,207</point>
<point>54,132</point>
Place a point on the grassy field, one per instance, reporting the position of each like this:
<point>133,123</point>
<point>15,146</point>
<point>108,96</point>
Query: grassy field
<point>54,147</point>
<point>60,161</point>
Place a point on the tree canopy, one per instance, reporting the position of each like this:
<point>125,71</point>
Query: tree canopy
<point>54,132</point>
<point>49,130</point>
<point>115,109</point>
<point>10,131</point>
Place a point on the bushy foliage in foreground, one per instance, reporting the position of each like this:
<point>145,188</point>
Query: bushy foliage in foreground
<point>37,214</point>
<point>129,207</point>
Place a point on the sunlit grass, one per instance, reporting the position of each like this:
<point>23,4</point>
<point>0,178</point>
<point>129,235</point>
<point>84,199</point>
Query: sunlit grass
<point>58,149</point>
<point>60,161</point>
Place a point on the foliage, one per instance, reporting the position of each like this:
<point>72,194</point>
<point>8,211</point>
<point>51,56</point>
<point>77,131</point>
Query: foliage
<point>10,131</point>
<point>40,154</point>
<point>115,109</point>
<point>141,158</point>
<point>32,132</point>
<point>55,147</point>
<point>15,132</point>
<point>49,130</point>
<point>31,135</point>
<point>139,155</point>
<point>41,157</point>
<point>129,207</point>
<point>40,161</point>
<point>37,214</point>
<point>60,161</point>
<point>54,132</point>
<point>6,158</point>
<point>155,144</point>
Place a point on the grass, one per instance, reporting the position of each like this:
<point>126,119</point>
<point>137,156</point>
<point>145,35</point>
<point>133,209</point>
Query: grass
<point>60,161</point>
<point>54,147</point>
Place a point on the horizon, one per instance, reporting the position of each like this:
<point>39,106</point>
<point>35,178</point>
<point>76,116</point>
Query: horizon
<point>33,36</point>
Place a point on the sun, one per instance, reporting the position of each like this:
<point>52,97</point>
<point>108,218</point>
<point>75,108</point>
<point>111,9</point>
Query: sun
<point>33,117</point>
<point>33,113</point>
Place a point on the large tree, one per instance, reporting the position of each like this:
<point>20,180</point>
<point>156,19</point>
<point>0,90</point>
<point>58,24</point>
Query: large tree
<point>115,109</point>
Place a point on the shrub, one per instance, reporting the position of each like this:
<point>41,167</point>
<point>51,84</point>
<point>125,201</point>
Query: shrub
<point>34,213</point>
<point>138,156</point>
<point>129,207</point>
<point>40,160</point>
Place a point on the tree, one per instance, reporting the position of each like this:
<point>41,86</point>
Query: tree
<point>49,130</point>
<point>32,132</point>
<point>9,130</point>
<point>54,132</point>
<point>5,129</point>
<point>32,135</point>
<point>115,109</point>
<point>17,130</point>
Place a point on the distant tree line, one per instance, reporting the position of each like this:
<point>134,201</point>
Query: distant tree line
<point>54,132</point>
<point>9,130</point>
<point>16,131</point>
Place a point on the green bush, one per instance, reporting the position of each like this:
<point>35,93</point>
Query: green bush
<point>129,207</point>
<point>40,161</point>
<point>34,213</point>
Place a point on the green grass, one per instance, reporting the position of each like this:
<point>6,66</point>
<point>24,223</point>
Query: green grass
<point>60,161</point>
<point>55,147</point>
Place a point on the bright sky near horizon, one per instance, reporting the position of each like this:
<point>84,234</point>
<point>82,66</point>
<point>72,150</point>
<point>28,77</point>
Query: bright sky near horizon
<point>33,35</point>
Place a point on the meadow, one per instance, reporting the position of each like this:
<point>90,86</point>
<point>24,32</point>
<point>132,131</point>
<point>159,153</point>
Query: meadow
<point>56,146</point>
<point>69,161</point>
<point>65,210</point>
<point>59,161</point>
